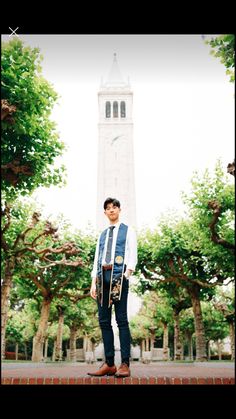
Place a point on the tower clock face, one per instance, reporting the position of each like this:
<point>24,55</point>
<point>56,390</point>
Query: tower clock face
<point>117,139</point>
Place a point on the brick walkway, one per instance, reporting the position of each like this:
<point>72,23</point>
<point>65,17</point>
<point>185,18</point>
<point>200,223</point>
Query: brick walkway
<point>153,373</point>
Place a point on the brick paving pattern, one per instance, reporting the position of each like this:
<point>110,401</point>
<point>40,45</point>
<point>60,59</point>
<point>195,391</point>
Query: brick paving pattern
<point>158,373</point>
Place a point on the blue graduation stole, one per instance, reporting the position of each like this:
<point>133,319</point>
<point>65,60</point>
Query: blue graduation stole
<point>118,265</point>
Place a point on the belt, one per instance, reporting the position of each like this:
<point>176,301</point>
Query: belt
<point>107,267</point>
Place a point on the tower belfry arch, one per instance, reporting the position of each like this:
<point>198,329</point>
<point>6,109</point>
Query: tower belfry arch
<point>115,146</point>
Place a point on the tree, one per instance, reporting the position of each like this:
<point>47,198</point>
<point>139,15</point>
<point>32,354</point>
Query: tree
<point>176,298</point>
<point>215,325</point>
<point>152,320</point>
<point>21,325</point>
<point>224,302</point>
<point>172,254</point>
<point>49,270</point>
<point>223,47</point>
<point>30,143</point>
<point>52,271</point>
<point>14,332</point>
<point>186,324</point>
<point>34,252</point>
<point>194,253</point>
<point>211,206</point>
<point>179,300</point>
<point>15,227</point>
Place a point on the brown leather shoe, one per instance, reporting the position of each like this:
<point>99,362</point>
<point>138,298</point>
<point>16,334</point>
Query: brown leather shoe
<point>104,370</point>
<point>123,371</point>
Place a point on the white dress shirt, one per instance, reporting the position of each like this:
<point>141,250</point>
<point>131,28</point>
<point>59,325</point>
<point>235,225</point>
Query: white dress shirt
<point>130,249</point>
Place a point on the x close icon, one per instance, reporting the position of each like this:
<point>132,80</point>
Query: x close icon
<point>13,31</point>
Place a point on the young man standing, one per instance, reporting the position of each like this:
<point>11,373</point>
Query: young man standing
<point>115,261</point>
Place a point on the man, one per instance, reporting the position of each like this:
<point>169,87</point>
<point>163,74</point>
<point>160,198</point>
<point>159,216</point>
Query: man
<point>114,262</point>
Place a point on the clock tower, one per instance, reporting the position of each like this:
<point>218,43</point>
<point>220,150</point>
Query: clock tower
<point>115,147</point>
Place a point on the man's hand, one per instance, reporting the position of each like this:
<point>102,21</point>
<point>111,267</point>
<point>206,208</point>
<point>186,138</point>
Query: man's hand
<point>128,273</point>
<point>93,291</point>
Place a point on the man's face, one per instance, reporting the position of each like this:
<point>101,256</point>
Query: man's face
<point>112,212</point>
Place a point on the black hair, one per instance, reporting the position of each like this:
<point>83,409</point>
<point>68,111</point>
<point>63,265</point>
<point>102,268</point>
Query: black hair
<point>113,201</point>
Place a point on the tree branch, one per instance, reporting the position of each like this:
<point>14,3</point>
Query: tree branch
<point>6,111</point>
<point>11,171</point>
<point>215,206</point>
<point>38,285</point>
<point>75,298</point>
<point>62,262</point>
<point>231,168</point>
<point>6,212</point>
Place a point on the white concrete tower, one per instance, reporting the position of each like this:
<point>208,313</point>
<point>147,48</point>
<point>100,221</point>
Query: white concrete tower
<point>115,148</point>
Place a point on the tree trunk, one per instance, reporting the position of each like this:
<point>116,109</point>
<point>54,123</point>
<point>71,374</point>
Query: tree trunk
<point>38,341</point>
<point>198,323</point>
<point>182,351</point>
<point>232,337</point>
<point>152,340</point>
<point>26,353</point>
<point>85,344</point>
<point>73,333</point>
<point>58,350</point>
<point>45,349</point>
<point>165,342</point>
<point>89,355</point>
<point>147,344</point>
<point>6,289</point>
<point>219,347</point>
<point>89,345</point>
<point>17,351</point>
<point>54,351</point>
<point>143,345</point>
<point>190,346</point>
<point>208,346</point>
<point>177,343</point>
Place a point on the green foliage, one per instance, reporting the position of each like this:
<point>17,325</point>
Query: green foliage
<point>223,47</point>
<point>154,312</point>
<point>80,316</point>
<point>37,279</point>
<point>20,213</point>
<point>180,258</point>
<point>31,139</point>
<point>53,331</point>
<point>21,325</point>
<point>139,329</point>
<point>224,302</point>
<point>63,284</point>
<point>186,321</point>
<point>175,256</point>
<point>215,324</point>
<point>87,243</point>
<point>14,331</point>
<point>212,188</point>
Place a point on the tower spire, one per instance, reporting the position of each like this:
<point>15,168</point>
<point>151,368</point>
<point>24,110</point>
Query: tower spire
<point>115,77</point>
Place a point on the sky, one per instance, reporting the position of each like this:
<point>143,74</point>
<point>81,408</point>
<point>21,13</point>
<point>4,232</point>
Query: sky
<point>183,115</point>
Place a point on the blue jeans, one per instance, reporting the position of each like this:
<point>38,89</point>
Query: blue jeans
<point>104,316</point>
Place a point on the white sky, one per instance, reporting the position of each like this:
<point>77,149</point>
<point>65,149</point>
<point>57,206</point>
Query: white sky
<point>183,114</point>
